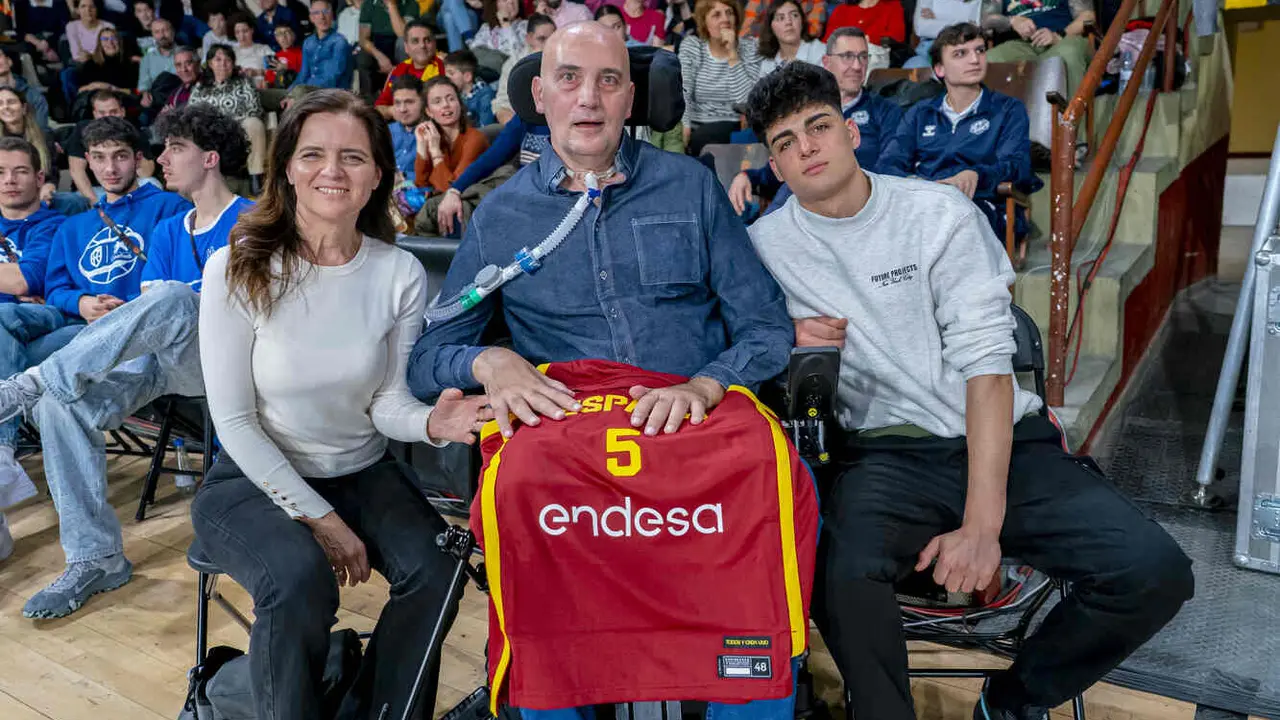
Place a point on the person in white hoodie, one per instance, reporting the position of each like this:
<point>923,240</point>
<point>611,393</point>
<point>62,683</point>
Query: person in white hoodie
<point>944,460</point>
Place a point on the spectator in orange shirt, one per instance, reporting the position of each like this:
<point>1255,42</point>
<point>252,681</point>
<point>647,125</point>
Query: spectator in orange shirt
<point>424,62</point>
<point>753,16</point>
<point>879,19</point>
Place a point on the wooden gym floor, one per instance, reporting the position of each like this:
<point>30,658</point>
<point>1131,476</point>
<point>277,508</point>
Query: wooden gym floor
<point>125,654</point>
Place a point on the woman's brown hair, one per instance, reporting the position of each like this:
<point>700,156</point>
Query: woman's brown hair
<point>489,13</point>
<point>769,45</point>
<point>703,8</point>
<point>271,228</point>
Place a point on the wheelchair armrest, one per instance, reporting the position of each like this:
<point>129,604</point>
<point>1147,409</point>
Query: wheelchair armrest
<point>809,399</point>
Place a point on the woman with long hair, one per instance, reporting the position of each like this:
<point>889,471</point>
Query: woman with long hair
<point>719,68</point>
<point>109,68</point>
<point>446,142</point>
<point>786,37</point>
<point>17,119</point>
<point>307,320</point>
<point>232,93</point>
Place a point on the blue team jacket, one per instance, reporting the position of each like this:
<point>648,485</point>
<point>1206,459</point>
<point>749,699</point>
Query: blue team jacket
<point>992,141</point>
<point>29,240</point>
<point>174,257</point>
<point>87,257</point>
<point>877,120</point>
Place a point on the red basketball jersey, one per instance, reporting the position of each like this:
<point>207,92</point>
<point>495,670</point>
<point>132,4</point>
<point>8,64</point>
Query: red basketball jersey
<point>624,567</point>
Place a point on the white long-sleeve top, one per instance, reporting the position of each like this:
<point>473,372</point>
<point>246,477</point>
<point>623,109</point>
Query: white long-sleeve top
<point>312,389</point>
<point>924,284</point>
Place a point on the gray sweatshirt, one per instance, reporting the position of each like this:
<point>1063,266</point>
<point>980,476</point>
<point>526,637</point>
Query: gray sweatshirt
<point>923,282</point>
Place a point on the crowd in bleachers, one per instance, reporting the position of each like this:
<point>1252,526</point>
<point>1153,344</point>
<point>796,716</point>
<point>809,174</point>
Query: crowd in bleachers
<point>351,123</point>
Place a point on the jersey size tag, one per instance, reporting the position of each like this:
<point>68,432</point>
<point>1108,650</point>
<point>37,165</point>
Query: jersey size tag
<point>749,667</point>
<point>747,642</point>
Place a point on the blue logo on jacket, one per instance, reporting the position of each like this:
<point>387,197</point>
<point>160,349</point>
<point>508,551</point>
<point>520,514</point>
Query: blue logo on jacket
<point>106,258</point>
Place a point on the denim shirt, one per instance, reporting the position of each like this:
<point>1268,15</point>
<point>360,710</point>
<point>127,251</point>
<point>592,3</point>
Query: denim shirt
<point>325,62</point>
<point>661,276</point>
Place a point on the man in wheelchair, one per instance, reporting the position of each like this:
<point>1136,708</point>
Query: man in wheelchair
<point>946,461</point>
<point>655,272</point>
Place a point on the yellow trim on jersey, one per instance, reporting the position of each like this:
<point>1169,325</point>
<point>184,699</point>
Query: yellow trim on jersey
<point>493,570</point>
<point>488,430</point>
<point>786,521</point>
<point>543,367</point>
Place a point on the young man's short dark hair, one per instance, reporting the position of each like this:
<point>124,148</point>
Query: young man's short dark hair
<point>13,143</point>
<point>209,129</point>
<point>536,21</point>
<point>111,129</point>
<point>793,87</point>
<point>951,36</point>
<point>407,82</point>
<point>464,60</point>
<point>100,95</point>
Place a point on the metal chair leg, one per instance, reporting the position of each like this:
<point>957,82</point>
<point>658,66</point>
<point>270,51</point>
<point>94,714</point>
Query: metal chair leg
<point>204,586</point>
<point>157,464</point>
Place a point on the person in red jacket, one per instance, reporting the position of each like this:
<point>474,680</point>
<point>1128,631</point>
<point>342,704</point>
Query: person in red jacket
<point>879,19</point>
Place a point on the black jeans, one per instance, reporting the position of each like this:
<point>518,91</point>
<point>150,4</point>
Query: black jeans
<point>1128,577</point>
<point>295,593</point>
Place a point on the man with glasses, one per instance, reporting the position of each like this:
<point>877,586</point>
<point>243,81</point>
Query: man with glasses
<point>326,54</point>
<point>877,119</point>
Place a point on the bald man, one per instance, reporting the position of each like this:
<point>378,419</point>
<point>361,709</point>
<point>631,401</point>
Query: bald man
<point>659,273</point>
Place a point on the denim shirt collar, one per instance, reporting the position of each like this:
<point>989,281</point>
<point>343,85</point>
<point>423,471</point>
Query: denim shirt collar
<point>552,171</point>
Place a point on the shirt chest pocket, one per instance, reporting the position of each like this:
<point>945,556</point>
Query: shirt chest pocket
<point>669,248</point>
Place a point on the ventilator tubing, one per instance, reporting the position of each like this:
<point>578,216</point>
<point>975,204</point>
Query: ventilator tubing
<point>491,277</point>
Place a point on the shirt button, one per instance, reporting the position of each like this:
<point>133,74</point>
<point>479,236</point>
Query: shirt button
<point>613,312</point>
<point>604,275</point>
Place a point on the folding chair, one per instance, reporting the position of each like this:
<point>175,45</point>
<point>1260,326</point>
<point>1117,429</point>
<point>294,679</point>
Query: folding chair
<point>174,412</point>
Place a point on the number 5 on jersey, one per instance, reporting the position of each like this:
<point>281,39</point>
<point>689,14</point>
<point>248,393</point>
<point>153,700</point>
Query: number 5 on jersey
<point>616,444</point>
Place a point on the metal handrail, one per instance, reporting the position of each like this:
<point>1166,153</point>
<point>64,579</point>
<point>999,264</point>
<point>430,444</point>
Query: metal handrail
<point>1068,213</point>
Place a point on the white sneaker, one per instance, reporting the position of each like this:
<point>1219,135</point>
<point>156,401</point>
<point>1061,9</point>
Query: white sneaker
<point>15,486</point>
<point>6,539</point>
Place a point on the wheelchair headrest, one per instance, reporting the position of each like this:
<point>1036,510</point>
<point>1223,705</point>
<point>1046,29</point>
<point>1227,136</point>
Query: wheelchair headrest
<point>659,100</point>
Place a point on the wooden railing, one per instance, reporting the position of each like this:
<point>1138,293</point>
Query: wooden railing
<point>1069,212</point>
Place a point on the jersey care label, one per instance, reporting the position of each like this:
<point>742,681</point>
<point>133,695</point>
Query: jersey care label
<point>749,667</point>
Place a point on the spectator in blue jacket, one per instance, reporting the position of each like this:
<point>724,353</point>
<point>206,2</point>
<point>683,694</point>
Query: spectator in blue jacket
<point>972,137</point>
<point>876,118</point>
<point>140,350</point>
<point>273,16</point>
<point>326,56</point>
<point>460,66</point>
<point>407,105</point>
<point>26,227</point>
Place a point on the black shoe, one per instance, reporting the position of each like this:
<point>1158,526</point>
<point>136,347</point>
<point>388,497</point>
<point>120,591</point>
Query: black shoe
<point>983,711</point>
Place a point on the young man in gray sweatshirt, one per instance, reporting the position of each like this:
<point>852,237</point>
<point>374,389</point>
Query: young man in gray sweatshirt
<point>947,461</point>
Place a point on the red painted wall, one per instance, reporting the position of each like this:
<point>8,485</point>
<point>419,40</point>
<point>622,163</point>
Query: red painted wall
<point>1188,231</point>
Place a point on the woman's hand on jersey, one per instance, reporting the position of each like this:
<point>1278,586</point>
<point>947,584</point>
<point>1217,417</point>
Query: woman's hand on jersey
<point>457,418</point>
<point>345,550</point>
<point>515,387</point>
<point>664,409</point>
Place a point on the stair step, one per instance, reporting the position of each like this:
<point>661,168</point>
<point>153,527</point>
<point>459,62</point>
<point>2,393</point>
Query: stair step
<point>1094,380</point>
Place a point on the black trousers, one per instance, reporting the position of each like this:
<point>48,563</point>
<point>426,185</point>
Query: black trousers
<point>1128,577</point>
<point>295,593</point>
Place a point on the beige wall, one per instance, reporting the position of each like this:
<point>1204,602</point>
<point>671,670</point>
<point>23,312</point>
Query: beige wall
<point>1255,51</point>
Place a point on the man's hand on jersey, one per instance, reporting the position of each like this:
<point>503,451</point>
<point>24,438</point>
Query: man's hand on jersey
<point>967,558</point>
<point>515,387</point>
<point>820,331</point>
<point>966,181</point>
<point>663,409</point>
<point>457,418</point>
<point>93,307</point>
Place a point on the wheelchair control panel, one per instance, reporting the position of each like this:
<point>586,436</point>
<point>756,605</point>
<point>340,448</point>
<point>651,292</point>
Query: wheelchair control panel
<point>812,378</point>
